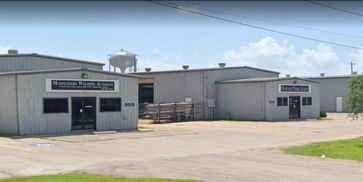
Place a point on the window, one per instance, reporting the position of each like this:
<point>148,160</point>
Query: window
<point>279,101</point>
<point>307,101</point>
<point>110,104</point>
<point>55,105</point>
<point>282,101</point>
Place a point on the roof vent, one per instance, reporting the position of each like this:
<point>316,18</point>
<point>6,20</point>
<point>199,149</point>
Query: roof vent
<point>222,65</point>
<point>12,51</point>
<point>147,69</point>
<point>322,74</point>
<point>185,67</point>
<point>288,75</point>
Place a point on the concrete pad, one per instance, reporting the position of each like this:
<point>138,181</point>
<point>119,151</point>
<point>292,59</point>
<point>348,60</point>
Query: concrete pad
<point>208,151</point>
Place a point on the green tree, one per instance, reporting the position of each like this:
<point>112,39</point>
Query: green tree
<point>355,96</point>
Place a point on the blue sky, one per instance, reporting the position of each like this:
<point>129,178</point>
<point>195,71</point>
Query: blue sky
<point>165,38</point>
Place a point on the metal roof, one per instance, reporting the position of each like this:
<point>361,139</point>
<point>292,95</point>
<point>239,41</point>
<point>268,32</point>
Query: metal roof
<point>204,69</point>
<point>66,70</point>
<point>50,57</point>
<point>268,79</point>
<point>331,77</point>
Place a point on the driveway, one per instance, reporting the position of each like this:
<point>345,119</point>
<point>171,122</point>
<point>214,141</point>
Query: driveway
<point>208,151</point>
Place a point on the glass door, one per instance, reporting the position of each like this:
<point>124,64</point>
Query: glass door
<point>83,113</point>
<point>294,107</point>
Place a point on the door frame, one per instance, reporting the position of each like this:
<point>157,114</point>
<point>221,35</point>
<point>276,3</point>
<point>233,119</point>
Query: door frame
<point>95,114</point>
<point>338,104</point>
<point>299,111</point>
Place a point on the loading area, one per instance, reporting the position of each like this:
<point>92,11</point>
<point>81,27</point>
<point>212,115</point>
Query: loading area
<point>190,150</point>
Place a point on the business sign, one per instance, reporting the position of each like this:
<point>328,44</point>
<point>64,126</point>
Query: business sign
<point>77,85</point>
<point>294,88</point>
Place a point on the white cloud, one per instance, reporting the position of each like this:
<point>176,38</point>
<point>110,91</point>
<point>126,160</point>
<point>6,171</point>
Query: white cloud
<point>283,57</point>
<point>4,50</point>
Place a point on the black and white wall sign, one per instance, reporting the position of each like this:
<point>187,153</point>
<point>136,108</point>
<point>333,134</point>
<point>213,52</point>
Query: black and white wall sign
<point>77,85</point>
<point>294,88</point>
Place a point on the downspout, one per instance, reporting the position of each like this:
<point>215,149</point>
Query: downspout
<point>264,100</point>
<point>216,108</point>
<point>17,104</point>
<point>204,96</point>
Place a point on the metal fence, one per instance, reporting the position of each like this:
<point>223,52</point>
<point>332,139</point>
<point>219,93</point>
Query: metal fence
<point>170,112</point>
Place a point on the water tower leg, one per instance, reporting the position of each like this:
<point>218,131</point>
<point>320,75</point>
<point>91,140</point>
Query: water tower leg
<point>135,69</point>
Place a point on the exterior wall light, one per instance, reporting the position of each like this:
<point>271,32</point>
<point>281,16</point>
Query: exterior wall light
<point>84,75</point>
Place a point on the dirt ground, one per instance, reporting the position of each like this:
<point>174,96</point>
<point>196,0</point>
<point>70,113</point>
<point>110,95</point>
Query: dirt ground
<point>208,151</point>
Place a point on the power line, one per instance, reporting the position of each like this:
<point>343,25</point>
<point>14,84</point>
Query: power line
<point>335,8</point>
<point>274,22</point>
<point>253,26</point>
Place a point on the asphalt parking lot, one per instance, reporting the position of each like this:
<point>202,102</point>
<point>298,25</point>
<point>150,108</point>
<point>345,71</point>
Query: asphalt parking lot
<point>208,151</point>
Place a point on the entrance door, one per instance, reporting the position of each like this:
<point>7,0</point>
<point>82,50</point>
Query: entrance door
<point>339,102</point>
<point>84,113</point>
<point>294,107</point>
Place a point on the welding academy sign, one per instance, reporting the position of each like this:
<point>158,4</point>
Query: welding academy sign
<point>76,85</point>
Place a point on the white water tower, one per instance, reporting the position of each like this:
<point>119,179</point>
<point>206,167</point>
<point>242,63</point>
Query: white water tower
<point>122,59</point>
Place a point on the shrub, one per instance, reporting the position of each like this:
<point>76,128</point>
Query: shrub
<point>323,114</point>
<point>355,96</point>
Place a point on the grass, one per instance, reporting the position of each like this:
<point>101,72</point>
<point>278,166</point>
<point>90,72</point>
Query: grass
<point>75,177</point>
<point>342,149</point>
<point>142,128</point>
<point>5,135</point>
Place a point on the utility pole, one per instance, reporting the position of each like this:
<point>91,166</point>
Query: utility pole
<point>351,67</point>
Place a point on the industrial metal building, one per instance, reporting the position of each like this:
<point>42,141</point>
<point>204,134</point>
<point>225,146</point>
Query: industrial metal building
<point>192,85</point>
<point>59,95</point>
<point>268,99</point>
<point>208,87</point>
<point>43,94</point>
<point>334,91</point>
<point>25,62</point>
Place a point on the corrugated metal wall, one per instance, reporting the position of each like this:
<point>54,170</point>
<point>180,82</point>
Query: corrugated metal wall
<point>8,120</point>
<point>175,87</point>
<point>241,101</point>
<point>330,89</point>
<point>27,63</point>
<point>282,113</point>
<point>32,91</point>
<point>258,101</point>
<point>230,74</point>
<point>200,85</point>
